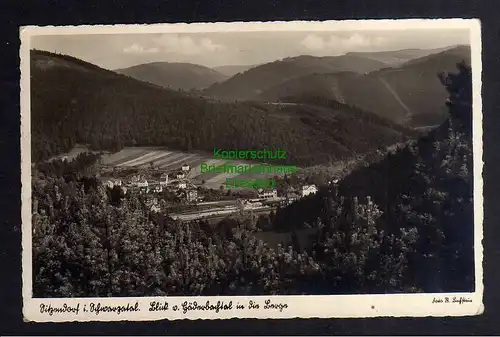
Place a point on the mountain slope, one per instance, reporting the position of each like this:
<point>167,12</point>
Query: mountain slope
<point>76,102</point>
<point>252,82</point>
<point>233,70</point>
<point>185,76</point>
<point>398,57</point>
<point>410,93</point>
<point>415,82</point>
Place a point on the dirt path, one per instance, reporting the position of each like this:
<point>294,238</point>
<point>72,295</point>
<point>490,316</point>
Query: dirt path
<point>336,91</point>
<point>400,101</point>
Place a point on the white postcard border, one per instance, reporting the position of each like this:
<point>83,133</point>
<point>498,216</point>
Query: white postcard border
<point>326,306</point>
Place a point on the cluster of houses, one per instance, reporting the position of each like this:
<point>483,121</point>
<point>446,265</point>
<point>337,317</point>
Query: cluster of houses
<point>263,194</point>
<point>177,182</point>
<point>291,195</point>
<point>294,194</point>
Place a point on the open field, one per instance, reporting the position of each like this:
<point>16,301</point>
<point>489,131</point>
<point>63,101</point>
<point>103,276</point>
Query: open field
<point>170,161</point>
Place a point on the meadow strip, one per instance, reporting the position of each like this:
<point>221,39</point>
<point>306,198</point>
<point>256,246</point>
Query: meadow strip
<point>160,156</point>
<point>121,156</point>
<point>177,162</point>
<point>144,156</point>
<point>193,161</point>
<point>152,157</point>
<point>170,158</point>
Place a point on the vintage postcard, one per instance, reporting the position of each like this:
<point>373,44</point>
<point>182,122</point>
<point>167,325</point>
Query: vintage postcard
<point>252,170</point>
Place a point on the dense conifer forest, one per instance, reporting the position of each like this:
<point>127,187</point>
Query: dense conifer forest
<point>74,102</point>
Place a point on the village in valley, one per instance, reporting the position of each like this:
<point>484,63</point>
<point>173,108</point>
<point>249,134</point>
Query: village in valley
<point>180,190</point>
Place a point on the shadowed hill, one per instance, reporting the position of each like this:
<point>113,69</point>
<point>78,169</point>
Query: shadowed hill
<point>407,94</point>
<point>76,102</point>
<point>398,57</point>
<point>233,70</point>
<point>185,76</point>
<point>442,59</point>
<point>369,92</point>
<point>252,82</point>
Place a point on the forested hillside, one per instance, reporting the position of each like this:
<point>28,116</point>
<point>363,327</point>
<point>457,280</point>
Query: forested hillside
<point>184,76</point>
<point>247,85</point>
<point>407,94</point>
<point>398,57</point>
<point>76,102</point>
<point>233,70</point>
<point>424,190</point>
<point>370,91</point>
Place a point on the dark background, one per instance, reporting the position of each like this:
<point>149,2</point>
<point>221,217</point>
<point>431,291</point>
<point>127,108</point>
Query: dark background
<point>15,13</point>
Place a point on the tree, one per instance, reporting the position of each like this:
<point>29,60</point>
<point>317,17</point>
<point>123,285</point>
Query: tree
<point>459,87</point>
<point>295,242</point>
<point>356,256</point>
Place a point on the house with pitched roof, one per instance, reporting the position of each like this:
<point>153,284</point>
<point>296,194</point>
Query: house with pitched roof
<point>309,189</point>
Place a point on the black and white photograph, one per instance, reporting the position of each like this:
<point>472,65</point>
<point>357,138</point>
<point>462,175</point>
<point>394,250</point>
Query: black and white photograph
<point>252,170</point>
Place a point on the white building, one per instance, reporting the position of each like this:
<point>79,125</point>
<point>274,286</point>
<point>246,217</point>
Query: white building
<point>113,182</point>
<point>153,205</point>
<point>180,175</point>
<point>181,185</point>
<point>142,183</point>
<point>185,168</point>
<point>164,179</point>
<point>268,194</point>
<point>309,189</point>
<point>191,195</point>
<point>158,188</point>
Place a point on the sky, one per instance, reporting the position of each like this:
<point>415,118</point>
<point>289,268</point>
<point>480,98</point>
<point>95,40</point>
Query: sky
<point>113,51</point>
